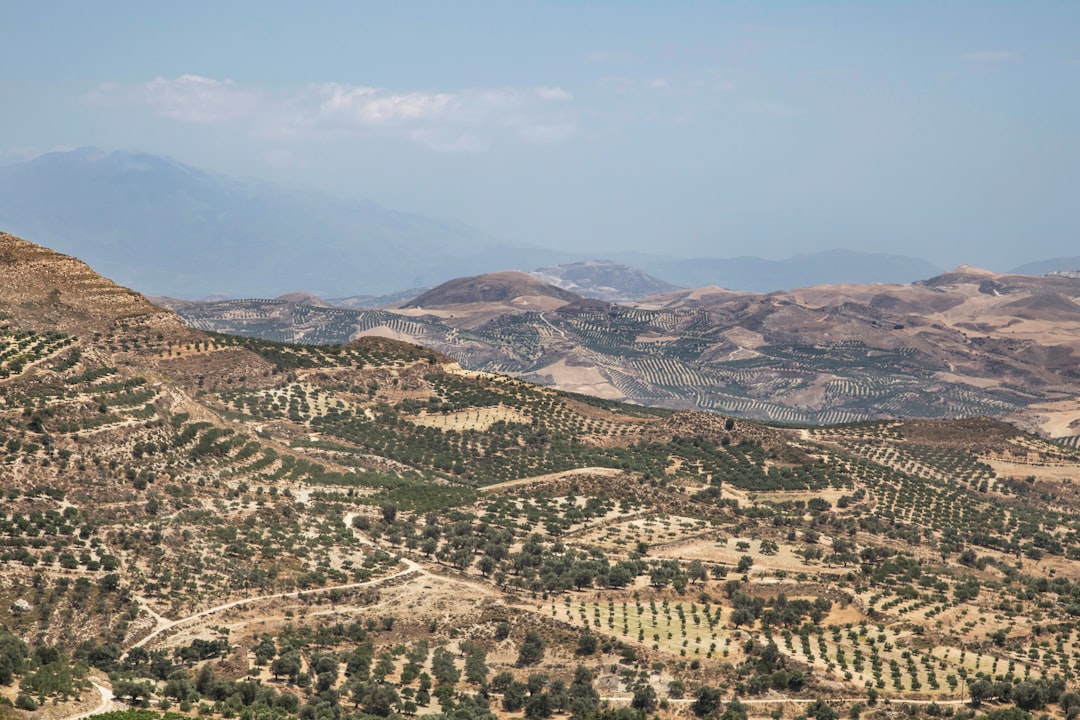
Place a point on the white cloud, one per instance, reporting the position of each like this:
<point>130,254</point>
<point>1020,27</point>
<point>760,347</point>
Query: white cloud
<point>343,96</point>
<point>456,122</point>
<point>991,56</point>
<point>198,99</point>
<point>467,120</point>
<point>369,105</point>
<point>552,93</point>
<point>718,80</point>
<point>414,106</point>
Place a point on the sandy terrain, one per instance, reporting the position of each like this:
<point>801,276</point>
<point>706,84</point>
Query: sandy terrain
<point>584,379</point>
<point>385,332</point>
<point>480,418</point>
<point>1056,419</point>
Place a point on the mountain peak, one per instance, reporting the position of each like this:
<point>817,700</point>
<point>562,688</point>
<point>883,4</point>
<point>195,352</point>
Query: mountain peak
<point>303,298</point>
<point>972,270</point>
<point>167,228</point>
<point>603,280</point>
<point>44,289</point>
<point>498,287</point>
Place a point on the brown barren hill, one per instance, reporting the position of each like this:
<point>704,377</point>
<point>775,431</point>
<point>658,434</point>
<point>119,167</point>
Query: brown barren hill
<point>966,343</point>
<point>303,298</point>
<point>46,290</point>
<point>500,287</point>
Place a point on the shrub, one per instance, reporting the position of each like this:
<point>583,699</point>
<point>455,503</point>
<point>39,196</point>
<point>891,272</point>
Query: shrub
<point>532,649</point>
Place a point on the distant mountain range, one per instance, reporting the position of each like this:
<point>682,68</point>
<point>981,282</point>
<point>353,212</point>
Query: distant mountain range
<point>1045,267</point>
<point>754,274</point>
<point>603,280</point>
<point>167,228</point>
<point>361,302</point>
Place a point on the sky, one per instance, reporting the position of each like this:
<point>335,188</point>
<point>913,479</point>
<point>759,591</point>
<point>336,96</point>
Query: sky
<point>941,130</point>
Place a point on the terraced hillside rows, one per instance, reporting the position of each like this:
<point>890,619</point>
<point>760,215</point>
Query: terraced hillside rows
<point>220,526</point>
<point>625,348</point>
<point>965,344</point>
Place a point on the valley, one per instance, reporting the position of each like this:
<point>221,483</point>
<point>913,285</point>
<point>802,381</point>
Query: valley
<point>222,526</point>
<point>965,343</point>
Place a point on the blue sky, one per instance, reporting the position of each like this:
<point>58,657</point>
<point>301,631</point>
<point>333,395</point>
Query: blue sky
<point>945,130</point>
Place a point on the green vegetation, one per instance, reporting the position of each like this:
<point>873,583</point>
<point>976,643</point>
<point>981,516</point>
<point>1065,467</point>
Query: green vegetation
<point>655,357</point>
<point>398,538</point>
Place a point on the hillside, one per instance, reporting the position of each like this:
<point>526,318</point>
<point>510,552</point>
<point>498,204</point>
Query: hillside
<point>502,287</point>
<point>964,343</point>
<point>608,281</point>
<point>46,290</point>
<point>1045,267</point>
<point>221,526</point>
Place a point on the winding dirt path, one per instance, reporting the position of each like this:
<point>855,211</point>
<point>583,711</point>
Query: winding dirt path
<point>537,479</point>
<point>411,568</point>
<point>561,332</point>
<point>105,705</point>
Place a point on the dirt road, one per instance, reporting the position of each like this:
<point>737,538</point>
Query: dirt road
<point>411,568</point>
<point>105,705</point>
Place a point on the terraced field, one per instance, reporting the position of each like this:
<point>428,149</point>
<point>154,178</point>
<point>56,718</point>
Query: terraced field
<point>667,358</point>
<point>234,527</point>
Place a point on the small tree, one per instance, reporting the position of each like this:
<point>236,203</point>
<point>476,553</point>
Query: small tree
<point>582,698</point>
<point>587,644</point>
<point>707,702</point>
<point>13,653</point>
<point>476,669</point>
<point>538,706</point>
<point>644,698</point>
<point>531,651</point>
<point>288,664</point>
<point>735,710</point>
<point>821,711</point>
<point>443,668</point>
<point>514,696</point>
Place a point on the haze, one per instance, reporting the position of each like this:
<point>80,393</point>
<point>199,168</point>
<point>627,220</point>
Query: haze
<point>943,131</point>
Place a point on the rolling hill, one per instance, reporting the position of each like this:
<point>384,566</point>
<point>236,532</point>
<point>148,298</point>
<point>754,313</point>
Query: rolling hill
<point>964,343</point>
<point>601,280</point>
<point>230,526</point>
<point>514,288</point>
